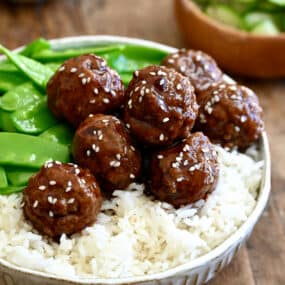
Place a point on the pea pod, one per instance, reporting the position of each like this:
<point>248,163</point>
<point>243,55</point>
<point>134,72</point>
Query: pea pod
<point>60,133</point>
<point>3,178</point>
<point>10,80</point>
<point>48,55</point>
<point>19,176</point>
<point>11,190</point>
<point>20,96</point>
<point>35,46</point>
<point>30,151</point>
<point>35,118</point>
<point>6,122</point>
<point>36,71</point>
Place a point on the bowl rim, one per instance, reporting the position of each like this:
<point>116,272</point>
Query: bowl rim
<point>238,235</point>
<point>193,8</point>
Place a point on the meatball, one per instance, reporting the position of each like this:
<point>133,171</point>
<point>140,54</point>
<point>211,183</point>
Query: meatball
<point>185,173</point>
<point>62,199</point>
<point>200,68</point>
<point>102,144</point>
<point>84,85</point>
<point>230,115</point>
<point>161,106</point>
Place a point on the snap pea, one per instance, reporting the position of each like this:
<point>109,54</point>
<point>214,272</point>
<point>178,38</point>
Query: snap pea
<point>60,133</point>
<point>20,96</point>
<point>11,190</point>
<point>30,151</point>
<point>6,122</point>
<point>10,80</point>
<point>35,47</point>
<point>19,176</point>
<point>3,178</point>
<point>36,71</point>
<point>34,118</point>
<point>48,55</point>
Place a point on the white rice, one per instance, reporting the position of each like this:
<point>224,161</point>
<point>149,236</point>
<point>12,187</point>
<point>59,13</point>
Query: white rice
<point>134,234</point>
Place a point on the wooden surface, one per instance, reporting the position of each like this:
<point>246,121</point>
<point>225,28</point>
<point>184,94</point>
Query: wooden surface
<point>262,261</point>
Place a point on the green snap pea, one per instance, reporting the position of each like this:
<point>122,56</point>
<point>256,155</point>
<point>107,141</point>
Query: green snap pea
<point>30,151</point>
<point>60,133</point>
<point>35,47</point>
<point>36,71</point>
<point>10,80</point>
<point>19,176</point>
<point>6,122</point>
<point>34,118</point>
<point>3,178</point>
<point>20,96</point>
<point>11,190</point>
<point>48,55</point>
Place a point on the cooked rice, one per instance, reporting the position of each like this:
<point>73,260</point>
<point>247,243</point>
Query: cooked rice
<point>135,234</point>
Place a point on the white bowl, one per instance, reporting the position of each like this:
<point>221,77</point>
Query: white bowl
<point>194,272</point>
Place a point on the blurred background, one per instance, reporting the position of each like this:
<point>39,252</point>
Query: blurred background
<point>262,260</point>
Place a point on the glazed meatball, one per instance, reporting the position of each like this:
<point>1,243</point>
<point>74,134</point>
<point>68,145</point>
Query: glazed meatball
<point>161,106</point>
<point>184,173</point>
<point>102,144</point>
<point>61,199</point>
<point>84,85</point>
<point>200,68</point>
<point>230,115</point>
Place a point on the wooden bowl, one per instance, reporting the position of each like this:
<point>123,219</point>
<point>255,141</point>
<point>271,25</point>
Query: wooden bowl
<point>236,51</point>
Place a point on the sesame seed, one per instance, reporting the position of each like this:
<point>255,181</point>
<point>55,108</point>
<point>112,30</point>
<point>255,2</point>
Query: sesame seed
<point>77,171</point>
<point>107,89</point>
<point>100,137</point>
<point>143,82</point>
<point>81,75</point>
<point>128,126</point>
<point>106,100</point>
<point>152,73</point>
<point>137,88</point>
<point>70,201</point>
<point>83,81</point>
<point>88,79</point>
<point>132,148</point>
<point>68,189</point>
<point>52,182</point>
<point>97,149</point>
<point>92,101</point>
<point>88,152</point>
<point>243,118</point>
<point>186,147</point>
<point>183,68</point>
<point>171,60</point>
<point>147,90</point>
<point>115,163</point>
<point>62,68</point>
<point>165,120</point>
<point>161,137</point>
<point>73,69</point>
<point>94,132</point>
<point>118,156</point>
<point>69,183</point>
<point>179,179</point>
<point>96,91</point>
<point>175,55</point>
<point>185,162</point>
<point>132,176</point>
<point>175,165</point>
<point>178,86</point>
<point>42,187</point>
<point>36,203</point>
<point>237,129</point>
<point>162,81</point>
<point>113,92</point>
<point>160,72</point>
<point>205,150</point>
<point>130,102</point>
<point>136,73</point>
<point>159,156</point>
<point>50,214</point>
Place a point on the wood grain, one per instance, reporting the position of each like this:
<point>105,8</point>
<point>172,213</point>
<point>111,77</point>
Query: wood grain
<point>262,260</point>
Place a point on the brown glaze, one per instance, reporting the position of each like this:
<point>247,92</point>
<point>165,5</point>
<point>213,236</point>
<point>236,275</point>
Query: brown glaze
<point>184,173</point>
<point>102,144</point>
<point>200,68</point>
<point>61,199</point>
<point>161,106</point>
<point>230,115</point>
<point>84,85</point>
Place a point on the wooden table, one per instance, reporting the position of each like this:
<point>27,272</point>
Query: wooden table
<point>262,260</point>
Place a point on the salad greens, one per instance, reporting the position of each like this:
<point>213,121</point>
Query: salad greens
<point>29,133</point>
<point>265,17</point>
